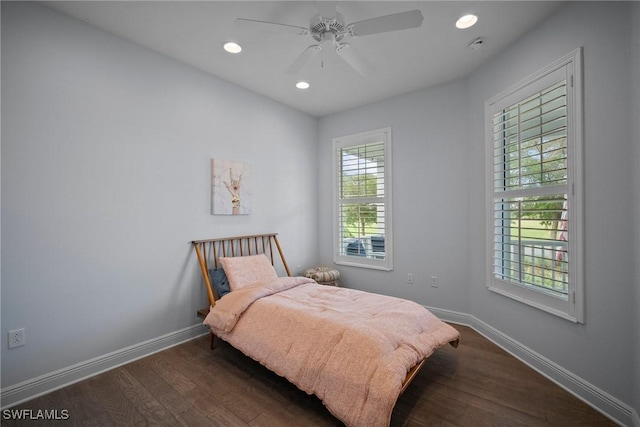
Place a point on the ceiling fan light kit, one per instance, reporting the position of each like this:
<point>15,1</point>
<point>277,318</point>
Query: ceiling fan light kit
<point>320,26</point>
<point>330,28</point>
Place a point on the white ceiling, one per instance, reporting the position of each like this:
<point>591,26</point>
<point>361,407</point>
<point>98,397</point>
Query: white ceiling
<point>193,33</point>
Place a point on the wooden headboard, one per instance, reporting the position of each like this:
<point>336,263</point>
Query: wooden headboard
<point>209,250</point>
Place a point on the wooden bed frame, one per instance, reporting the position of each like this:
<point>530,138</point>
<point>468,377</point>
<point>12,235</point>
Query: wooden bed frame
<point>209,250</point>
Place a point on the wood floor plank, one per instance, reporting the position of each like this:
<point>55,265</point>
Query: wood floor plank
<point>147,405</point>
<point>84,404</point>
<point>428,404</point>
<point>194,418</point>
<point>103,389</point>
<point>102,420</point>
<point>161,390</point>
<point>477,384</point>
<point>163,368</point>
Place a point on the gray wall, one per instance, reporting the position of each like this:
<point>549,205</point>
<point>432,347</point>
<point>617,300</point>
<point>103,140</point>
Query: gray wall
<point>635,114</point>
<point>604,30</point>
<point>106,179</point>
<point>430,205</point>
<point>439,196</point>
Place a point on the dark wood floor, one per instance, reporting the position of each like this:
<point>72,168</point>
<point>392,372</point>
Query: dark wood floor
<point>477,384</point>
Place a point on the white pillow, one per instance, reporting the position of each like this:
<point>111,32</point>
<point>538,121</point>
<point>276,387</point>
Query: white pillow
<point>247,270</point>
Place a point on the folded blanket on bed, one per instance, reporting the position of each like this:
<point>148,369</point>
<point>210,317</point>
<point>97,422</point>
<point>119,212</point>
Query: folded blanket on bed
<point>350,348</point>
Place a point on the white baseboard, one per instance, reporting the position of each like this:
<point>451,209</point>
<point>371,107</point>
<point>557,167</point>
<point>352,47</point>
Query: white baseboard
<point>603,402</point>
<point>30,389</point>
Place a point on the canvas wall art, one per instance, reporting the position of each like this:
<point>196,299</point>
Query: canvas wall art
<point>230,187</point>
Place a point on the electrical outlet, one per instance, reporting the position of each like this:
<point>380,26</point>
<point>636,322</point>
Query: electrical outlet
<point>16,338</point>
<point>434,281</point>
<point>410,278</point>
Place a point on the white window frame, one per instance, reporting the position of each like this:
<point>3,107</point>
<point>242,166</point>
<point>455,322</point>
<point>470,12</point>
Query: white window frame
<point>570,307</point>
<point>374,136</point>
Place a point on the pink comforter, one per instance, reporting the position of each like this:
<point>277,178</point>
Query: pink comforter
<point>352,349</point>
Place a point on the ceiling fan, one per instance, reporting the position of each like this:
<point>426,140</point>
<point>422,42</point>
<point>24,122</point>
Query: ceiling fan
<point>328,27</point>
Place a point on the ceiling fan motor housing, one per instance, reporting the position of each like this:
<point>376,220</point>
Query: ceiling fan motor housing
<point>320,26</point>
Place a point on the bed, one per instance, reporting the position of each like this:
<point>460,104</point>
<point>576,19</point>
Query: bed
<point>356,351</point>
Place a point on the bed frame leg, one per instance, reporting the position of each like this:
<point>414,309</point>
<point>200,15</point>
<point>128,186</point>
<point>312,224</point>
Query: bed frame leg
<point>212,341</point>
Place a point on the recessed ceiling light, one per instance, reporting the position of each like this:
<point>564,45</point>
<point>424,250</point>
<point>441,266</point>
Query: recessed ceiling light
<point>466,21</point>
<point>232,47</point>
<point>303,85</point>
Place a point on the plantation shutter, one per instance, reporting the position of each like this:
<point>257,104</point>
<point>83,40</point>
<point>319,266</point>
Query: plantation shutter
<point>534,181</point>
<point>362,189</point>
<point>530,191</point>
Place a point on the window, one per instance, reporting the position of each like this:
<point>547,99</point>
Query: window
<point>362,200</point>
<point>534,185</point>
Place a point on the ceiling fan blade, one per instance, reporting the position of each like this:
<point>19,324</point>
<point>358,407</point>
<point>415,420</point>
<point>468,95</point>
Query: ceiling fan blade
<point>326,9</point>
<point>271,26</point>
<point>384,24</point>
<point>304,58</point>
<point>355,59</point>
